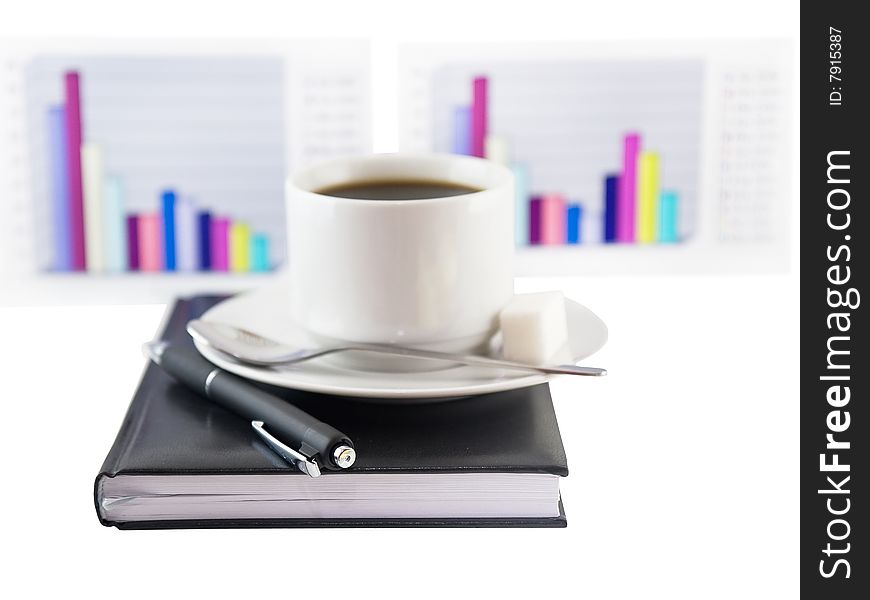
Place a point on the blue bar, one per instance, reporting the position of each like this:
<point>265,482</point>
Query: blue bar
<point>461,142</point>
<point>572,220</point>
<point>668,212</point>
<point>203,220</point>
<point>259,253</point>
<point>611,200</point>
<point>521,202</point>
<point>61,259</point>
<point>169,230</point>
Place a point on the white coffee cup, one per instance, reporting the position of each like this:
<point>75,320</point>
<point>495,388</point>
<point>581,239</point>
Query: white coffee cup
<point>429,273</point>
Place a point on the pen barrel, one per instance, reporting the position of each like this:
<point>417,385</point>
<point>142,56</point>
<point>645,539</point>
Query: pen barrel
<point>292,426</point>
<point>280,418</point>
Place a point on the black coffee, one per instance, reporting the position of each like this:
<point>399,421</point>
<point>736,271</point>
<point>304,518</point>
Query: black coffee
<point>398,189</point>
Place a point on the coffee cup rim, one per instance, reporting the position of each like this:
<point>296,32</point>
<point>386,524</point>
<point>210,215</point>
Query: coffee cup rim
<point>315,177</point>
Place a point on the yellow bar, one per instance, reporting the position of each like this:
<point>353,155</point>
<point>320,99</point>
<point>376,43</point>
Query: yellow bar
<point>240,248</point>
<point>496,149</point>
<point>647,197</point>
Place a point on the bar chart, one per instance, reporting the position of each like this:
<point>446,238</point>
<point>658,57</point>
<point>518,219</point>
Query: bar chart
<point>602,153</point>
<point>159,164</point>
<point>210,128</point>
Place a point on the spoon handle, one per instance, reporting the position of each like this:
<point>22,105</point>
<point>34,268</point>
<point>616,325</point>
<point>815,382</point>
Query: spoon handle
<point>252,348</point>
<point>470,359</point>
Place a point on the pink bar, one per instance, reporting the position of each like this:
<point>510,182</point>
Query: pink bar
<point>627,201</point>
<point>73,114</point>
<point>553,220</point>
<point>150,249</point>
<point>220,245</point>
<point>479,117</point>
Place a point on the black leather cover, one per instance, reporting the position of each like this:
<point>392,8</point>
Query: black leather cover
<point>169,429</point>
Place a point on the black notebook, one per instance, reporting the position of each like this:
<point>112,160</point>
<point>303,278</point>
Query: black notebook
<point>180,461</point>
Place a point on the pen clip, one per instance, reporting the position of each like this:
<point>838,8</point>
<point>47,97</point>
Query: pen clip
<point>297,459</point>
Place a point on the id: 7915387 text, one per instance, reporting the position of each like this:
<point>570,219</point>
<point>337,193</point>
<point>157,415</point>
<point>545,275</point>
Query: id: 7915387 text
<point>835,70</point>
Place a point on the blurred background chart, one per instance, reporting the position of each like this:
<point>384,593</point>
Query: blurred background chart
<point>630,157</point>
<point>176,153</point>
<point>139,170</point>
<point>598,148</point>
<point>136,171</point>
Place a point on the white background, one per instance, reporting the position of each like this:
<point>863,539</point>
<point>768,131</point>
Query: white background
<point>684,461</point>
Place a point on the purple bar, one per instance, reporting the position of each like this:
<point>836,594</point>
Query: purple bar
<point>220,247</point>
<point>611,198</point>
<point>625,209</point>
<point>535,220</point>
<point>478,117</point>
<point>461,142</point>
<point>73,113</point>
<point>132,243</point>
<point>204,239</point>
<point>58,177</point>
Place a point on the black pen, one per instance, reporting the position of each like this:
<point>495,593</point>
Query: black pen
<point>319,445</point>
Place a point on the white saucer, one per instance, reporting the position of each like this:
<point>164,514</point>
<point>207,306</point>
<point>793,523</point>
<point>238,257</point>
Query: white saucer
<point>264,311</point>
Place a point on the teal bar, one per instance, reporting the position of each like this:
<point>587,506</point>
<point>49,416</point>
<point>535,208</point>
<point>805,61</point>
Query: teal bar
<point>521,211</point>
<point>668,213</point>
<point>259,253</point>
<point>114,226</point>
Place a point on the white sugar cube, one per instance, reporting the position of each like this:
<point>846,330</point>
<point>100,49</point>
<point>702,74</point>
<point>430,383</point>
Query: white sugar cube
<point>534,327</point>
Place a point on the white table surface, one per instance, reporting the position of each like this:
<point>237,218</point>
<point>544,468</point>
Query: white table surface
<point>684,467</point>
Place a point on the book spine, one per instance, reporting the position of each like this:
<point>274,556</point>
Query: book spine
<point>125,439</point>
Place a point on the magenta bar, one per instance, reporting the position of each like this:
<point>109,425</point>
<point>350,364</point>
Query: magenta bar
<point>220,245</point>
<point>535,220</point>
<point>132,243</point>
<point>73,113</point>
<point>479,116</point>
<point>553,227</point>
<point>626,204</point>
